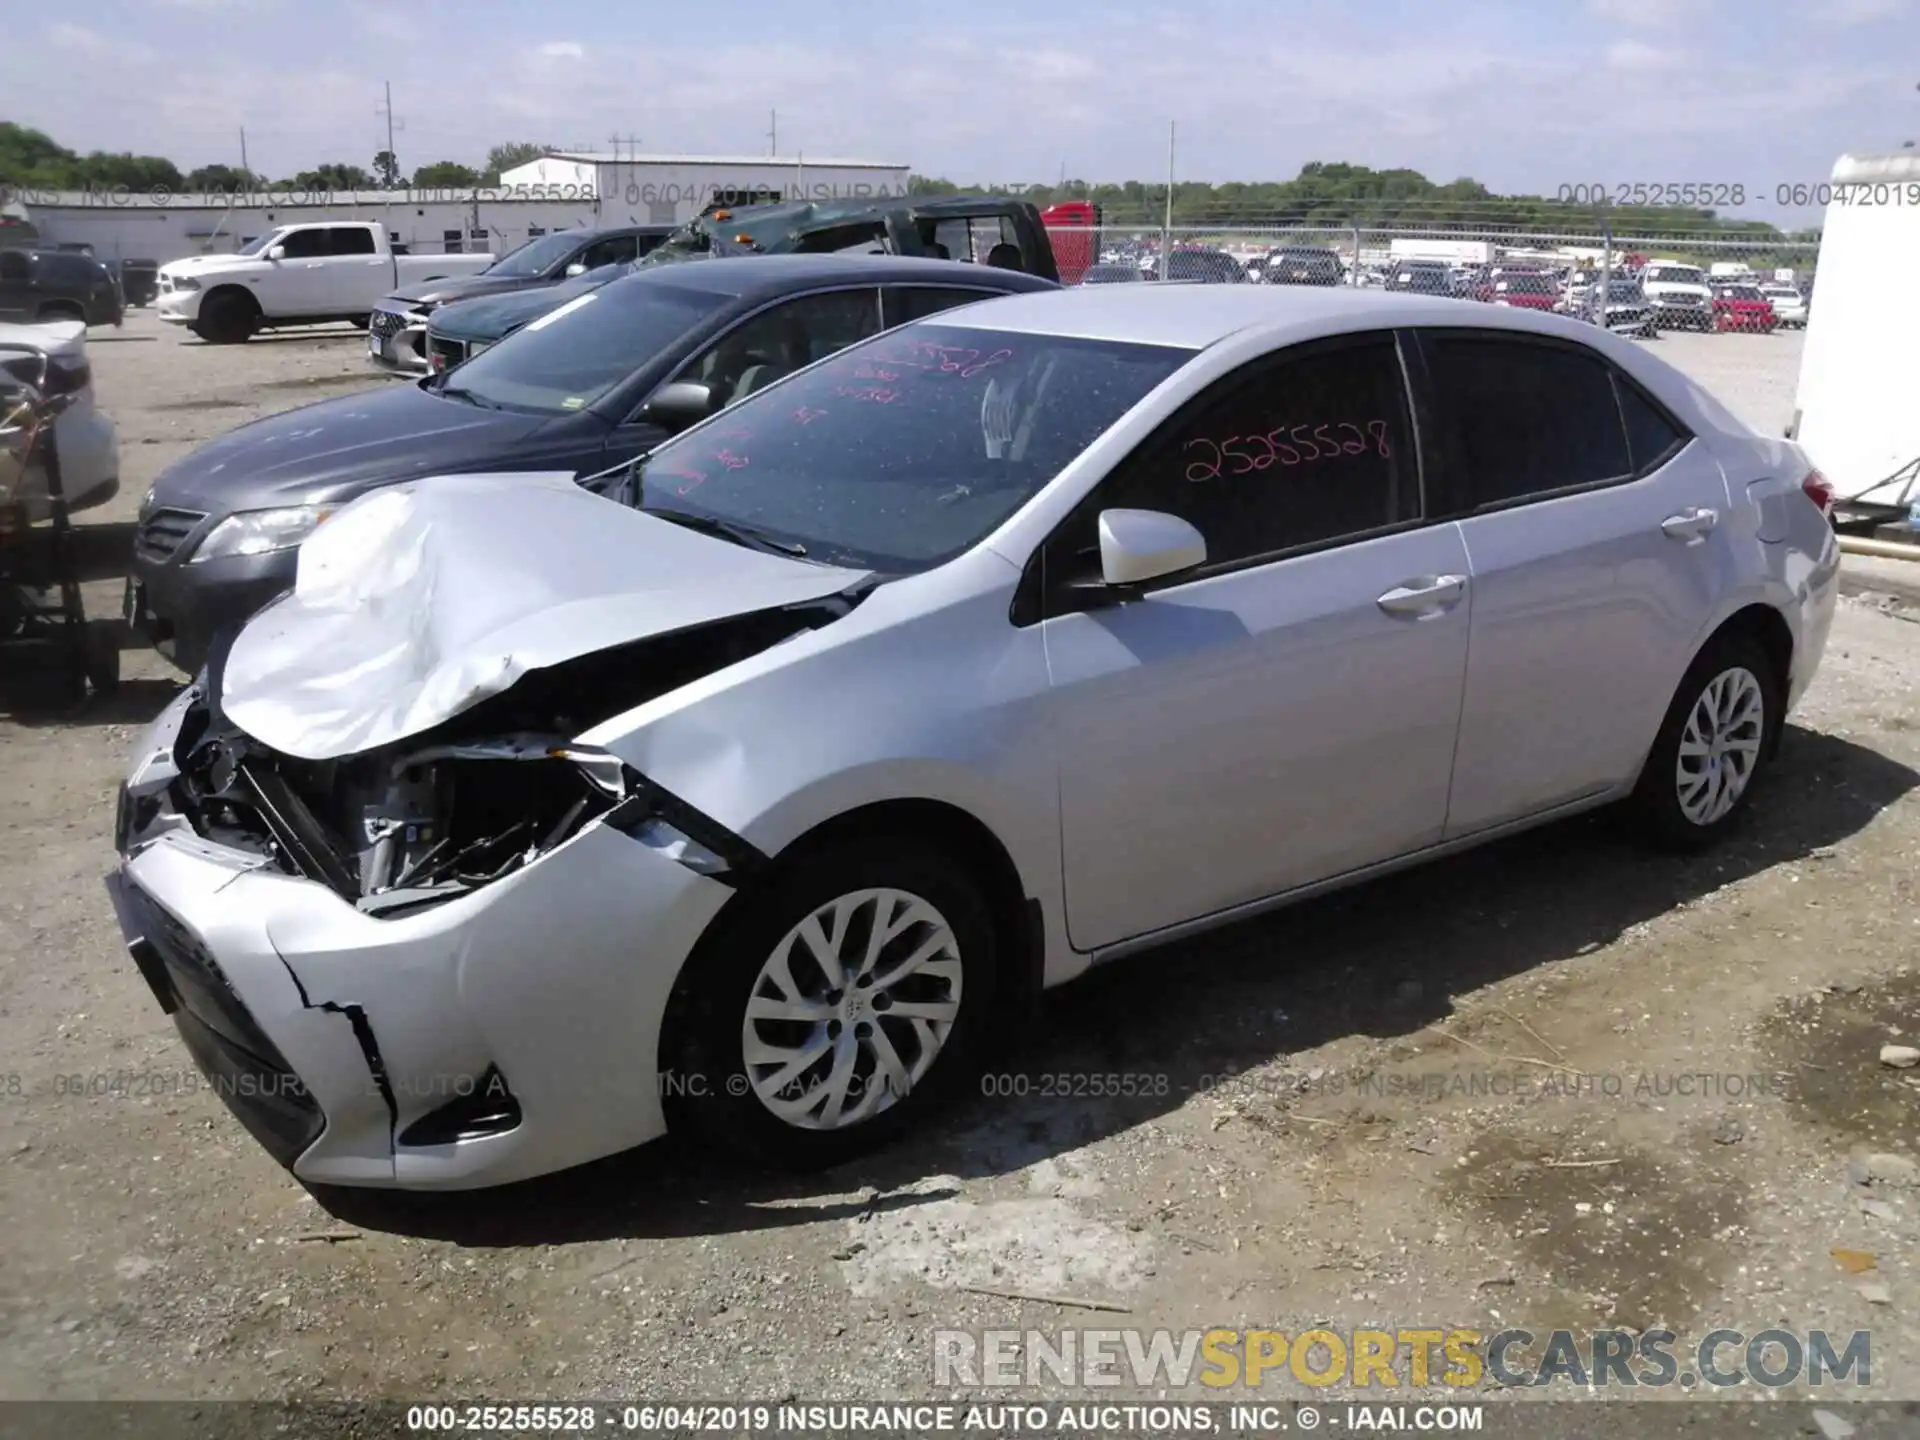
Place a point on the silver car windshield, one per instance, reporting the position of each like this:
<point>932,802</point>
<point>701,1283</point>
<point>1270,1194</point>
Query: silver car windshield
<point>900,453</point>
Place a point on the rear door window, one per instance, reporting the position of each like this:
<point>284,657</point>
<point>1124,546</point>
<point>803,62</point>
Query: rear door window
<point>1524,419</point>
<point>915,302</point>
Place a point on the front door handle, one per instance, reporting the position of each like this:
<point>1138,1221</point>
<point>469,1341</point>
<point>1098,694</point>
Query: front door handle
<point>1690,525</point>
<point>1426,595</point>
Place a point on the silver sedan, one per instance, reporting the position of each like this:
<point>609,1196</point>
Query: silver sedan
<point>751,795</point>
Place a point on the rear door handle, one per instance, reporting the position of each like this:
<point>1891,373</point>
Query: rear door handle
<point>1426,595</point>
<point>1690,525</point>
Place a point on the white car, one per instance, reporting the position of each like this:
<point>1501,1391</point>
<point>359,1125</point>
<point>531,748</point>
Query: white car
<point>89,443</point>
<point>1679,294</point>
<point>297,275</point>
<point>533,824</point>
<point>1789,305</point>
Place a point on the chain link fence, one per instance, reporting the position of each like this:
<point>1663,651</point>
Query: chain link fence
<point>1717,277</point>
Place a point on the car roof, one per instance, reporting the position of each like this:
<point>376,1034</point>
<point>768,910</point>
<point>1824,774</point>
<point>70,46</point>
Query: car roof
<point>1192,317</point>
<point>750,276</point>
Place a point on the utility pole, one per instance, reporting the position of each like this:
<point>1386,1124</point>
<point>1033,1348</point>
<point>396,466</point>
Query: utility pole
<point>1166,225</point>
<point>392,125</point>
<point>245,169</point>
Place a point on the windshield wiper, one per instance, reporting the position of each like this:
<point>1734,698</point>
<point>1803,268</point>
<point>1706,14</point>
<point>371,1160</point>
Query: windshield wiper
<point>456,392</point>
<point>728,530</point>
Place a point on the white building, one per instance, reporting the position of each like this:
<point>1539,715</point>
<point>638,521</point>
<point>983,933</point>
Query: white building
<point>665,189</point>
<point>557,192</point>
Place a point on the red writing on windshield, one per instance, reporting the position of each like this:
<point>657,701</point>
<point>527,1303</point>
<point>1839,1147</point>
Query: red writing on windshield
<point>731,460</point>
<point>1209,458</point>
<point>932,359</point>
<point>871,394</point>
<point>806,415</point>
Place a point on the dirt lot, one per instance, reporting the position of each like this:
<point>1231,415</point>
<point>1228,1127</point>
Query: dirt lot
<point>1556,1082</point>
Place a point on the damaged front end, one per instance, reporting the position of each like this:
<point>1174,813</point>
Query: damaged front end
<point>459,807</point>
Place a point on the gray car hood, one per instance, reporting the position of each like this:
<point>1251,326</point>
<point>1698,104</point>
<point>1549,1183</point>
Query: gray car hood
<point>419,601</point>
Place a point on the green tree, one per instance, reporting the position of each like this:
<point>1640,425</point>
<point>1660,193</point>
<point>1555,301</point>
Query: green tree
<point>510,156</point>
<point>445,174</point>
<point>386,170</point>
<point>331,176</point>
<point>224,180</point>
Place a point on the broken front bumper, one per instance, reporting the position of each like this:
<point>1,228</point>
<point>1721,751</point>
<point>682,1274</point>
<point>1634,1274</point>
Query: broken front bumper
<point>506,1033</point>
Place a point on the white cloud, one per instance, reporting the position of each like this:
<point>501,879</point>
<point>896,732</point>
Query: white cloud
<point>1651,14</point>
<point>564,50</point>
<point>1639,55</point>
<point>77,37</point>
<point>1861,12</point>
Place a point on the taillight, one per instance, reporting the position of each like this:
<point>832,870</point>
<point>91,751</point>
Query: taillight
<point>1819,489</point>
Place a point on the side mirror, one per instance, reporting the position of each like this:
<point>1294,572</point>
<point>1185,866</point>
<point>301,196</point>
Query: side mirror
<point>278,252</point>
<point>679,406</point>
<point>1141,545</point>
<point>576,268</point>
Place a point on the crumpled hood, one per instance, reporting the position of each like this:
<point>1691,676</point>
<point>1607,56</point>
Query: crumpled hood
<point>463,287</point>
<point>417,602</point>
<point>488,317</point>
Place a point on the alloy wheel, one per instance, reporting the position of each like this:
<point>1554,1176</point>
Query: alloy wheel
<point>851,1009</point>
<point>1720,745</point>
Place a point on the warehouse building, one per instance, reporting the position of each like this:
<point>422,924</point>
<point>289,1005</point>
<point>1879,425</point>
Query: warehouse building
<point>558,192</point>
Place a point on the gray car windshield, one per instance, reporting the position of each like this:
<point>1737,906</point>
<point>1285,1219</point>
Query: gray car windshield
<point>536,257</point>
<point>573,355</point>
<point>900,453</point>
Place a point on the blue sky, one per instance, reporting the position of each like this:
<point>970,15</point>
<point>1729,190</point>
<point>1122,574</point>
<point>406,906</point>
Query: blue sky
<point>1527,95</point>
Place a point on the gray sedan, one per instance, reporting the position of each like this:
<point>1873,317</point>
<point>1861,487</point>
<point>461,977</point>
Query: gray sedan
<point>531,826</point>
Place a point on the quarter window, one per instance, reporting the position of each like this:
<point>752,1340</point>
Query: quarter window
<point>1652,439</point>
<point>1527,419</point>
<point>1291,451</point>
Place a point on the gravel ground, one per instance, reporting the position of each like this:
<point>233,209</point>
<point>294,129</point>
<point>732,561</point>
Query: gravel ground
<point>1457,1097</point>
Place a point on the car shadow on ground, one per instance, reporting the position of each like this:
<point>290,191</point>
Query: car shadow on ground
<point>1382,960</point>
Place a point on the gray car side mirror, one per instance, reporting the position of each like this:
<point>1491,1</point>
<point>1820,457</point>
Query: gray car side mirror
<point>679,406</point>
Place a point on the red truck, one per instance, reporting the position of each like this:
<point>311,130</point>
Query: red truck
<point>1073,228</point>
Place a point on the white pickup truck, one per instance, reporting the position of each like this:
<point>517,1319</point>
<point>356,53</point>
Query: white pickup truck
<point>296,275</point>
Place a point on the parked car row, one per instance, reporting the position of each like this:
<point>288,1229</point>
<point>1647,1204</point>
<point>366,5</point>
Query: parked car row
<point>723,704</point>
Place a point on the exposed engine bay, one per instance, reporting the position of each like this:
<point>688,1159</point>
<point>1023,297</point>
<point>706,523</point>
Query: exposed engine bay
<point>446,812</point>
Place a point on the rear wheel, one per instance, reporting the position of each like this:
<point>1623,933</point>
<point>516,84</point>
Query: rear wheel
<point>1720,730</point>
<point>844,999</point>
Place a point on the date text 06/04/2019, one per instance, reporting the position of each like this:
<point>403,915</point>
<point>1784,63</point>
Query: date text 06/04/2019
<point>1105,1418</point>
<point>1733,194</point>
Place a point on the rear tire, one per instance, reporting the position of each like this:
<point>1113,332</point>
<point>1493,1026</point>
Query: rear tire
<point>1720,732</point>
<point>722,1065</point>
<point>227,319</point>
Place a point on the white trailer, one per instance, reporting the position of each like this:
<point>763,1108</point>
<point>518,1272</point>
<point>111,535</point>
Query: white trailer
<point>1452,252</point>
<point>1855,413</point>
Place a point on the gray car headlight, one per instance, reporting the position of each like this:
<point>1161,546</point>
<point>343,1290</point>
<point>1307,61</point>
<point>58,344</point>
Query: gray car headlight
<point>260,532</point>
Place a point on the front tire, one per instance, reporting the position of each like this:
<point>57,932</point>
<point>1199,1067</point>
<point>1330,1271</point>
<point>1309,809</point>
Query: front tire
<point>797,1038</point>
<point>227,319</point>
<point>1720,731</point>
